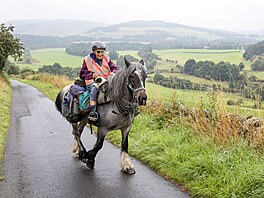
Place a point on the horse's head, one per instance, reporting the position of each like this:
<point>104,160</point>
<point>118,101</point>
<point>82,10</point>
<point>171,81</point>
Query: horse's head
<point>136,81</point>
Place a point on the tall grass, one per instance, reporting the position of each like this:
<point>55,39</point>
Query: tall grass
<point>48,83</point>
<point>5,105</point>
<point>203,167</point>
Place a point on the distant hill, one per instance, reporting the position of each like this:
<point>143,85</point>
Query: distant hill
<point>139,30</point>
<point>162,30</point>
<point>46,27</point>
<point>44,33</point>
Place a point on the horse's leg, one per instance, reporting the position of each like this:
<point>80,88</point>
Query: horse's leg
<point>125,163</point>
<point>98,145</point>
<point>75,149</point>
<point>78,148</point>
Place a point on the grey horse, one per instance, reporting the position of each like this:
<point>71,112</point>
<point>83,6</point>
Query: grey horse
<point>126,90</point>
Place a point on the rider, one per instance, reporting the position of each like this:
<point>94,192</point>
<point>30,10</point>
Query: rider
<point>97,64</point>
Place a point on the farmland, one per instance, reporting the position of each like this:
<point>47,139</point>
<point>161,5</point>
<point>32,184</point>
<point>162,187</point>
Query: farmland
<point>182,55</point>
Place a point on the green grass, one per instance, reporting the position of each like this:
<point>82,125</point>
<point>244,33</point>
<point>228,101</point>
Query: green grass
<point>51,56</point>
<point>195,98</point>
<point>5,106</point>
<point>205,168</point>
<point>258,74</point>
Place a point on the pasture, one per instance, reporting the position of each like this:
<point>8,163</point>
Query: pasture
<point>182,55</point>
<point>203,99</point>
<point>50,56</point>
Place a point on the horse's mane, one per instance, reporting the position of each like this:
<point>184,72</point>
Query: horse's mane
<point>118,82</point>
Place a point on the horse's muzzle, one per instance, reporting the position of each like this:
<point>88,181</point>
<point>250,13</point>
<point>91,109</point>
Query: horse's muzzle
<point>142,97</point>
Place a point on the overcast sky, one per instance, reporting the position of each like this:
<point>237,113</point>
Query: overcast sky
<point>234,15</point>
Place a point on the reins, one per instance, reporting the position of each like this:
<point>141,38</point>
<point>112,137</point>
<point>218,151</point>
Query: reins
<point>125,107</point>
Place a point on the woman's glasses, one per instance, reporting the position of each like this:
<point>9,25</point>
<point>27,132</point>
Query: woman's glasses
<point>100,52</point>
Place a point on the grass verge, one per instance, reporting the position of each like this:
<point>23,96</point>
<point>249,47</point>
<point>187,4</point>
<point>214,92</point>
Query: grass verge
<point>204,168</point>
<point>5,105</point>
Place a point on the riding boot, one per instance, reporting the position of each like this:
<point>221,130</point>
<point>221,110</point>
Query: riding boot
<point>93,115</point>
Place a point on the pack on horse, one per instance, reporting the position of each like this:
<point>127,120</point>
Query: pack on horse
<point>126,90</point>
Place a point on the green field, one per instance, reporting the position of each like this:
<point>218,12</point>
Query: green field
<point>182,55</point>
<point>51,56</point>
<point>196,98</point>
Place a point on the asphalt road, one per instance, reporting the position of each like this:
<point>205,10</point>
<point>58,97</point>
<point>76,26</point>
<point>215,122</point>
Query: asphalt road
<point>39,160</point>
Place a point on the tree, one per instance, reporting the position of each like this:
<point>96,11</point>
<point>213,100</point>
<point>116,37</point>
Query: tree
<point>189,66</point>
<point>241,66</point>
<point>9,46</point>
<point>158,78</point>
<point>113,55</point>
<point>13,70</point>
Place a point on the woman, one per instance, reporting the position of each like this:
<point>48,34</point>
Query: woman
<point>97,64</point>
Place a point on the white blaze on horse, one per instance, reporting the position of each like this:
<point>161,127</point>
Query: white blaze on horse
<point>126,90</point>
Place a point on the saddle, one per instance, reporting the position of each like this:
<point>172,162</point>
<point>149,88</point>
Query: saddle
<point>102,86</point>
<point>76,100</point>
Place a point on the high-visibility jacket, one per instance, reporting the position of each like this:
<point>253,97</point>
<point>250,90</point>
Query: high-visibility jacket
<point>103,70</point>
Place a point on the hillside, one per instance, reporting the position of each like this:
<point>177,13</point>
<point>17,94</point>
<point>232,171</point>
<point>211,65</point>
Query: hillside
<point>60,27</point>
<point>162,31</point>
<point>140,30</point>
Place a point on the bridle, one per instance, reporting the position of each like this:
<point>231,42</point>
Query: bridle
<point>135,90</point>
<point>124,106</point>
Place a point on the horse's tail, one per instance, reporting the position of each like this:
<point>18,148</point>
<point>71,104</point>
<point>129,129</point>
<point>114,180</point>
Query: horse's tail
<point>60,97</point>
<point>59,101</point>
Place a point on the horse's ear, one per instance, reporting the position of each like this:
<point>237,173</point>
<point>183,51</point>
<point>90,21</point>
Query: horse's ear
<point>142,62</point>
<point>127,62</point>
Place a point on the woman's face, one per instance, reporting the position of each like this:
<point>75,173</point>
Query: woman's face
<point>99,53</point>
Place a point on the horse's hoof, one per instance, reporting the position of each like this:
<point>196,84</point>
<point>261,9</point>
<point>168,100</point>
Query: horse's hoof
<point>90,163</point>
<point>130,171</point>
<point>76,155</point>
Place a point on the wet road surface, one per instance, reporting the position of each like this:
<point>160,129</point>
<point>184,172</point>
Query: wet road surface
<point>39,160</point>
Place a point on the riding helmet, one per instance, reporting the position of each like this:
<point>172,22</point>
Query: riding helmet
<point>98,45</point>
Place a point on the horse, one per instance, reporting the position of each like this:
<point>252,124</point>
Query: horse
<point>126,90</point>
